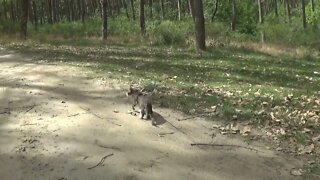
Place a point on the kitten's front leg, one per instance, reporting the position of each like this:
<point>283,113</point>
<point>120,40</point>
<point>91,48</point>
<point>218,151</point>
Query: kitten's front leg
<point>141,113</point>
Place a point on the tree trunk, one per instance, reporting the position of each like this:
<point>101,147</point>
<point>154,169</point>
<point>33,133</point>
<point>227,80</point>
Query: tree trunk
<point>276,8</point>
<point>191,9</point>
<point>126,8</point>
<point>234,15</point>
<point>142,18</point>
<point>50,12</point>
<point>261,20</point>
<point>199,25</point>
<point>312,5</point>
<point>215,10</point>
<point>179,11</point>
<point>35,16</point>
<point>133,11</point>
<point>260,11</point>
<point>162,9</point>
<point>24,18</point>
<point>288,11</point>
<point>104,6</point>
<point>303,13</point>
<point>151,8</point>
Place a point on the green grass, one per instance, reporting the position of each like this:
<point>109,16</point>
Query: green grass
<point>269,91</point>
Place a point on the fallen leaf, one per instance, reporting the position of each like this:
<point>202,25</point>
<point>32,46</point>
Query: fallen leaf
<point>306,149</point>
<point>245,130</point>
<point>317,138</point>
<point>296,172</point>
<point>115,111</point>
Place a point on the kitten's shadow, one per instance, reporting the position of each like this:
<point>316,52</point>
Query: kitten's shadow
<point>158,118</point>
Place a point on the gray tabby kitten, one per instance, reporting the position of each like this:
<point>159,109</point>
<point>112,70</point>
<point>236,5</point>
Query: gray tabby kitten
<point>144,103</point>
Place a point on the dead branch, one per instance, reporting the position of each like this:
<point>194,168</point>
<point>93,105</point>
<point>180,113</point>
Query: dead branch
<point>101,161</point>
<point>96,115</point>
<point>223,145</point>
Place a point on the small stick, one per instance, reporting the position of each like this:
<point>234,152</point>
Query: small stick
<point>101,161</point>
<point>221,145</point>
<point>30,108</point>
<point>96,115</point>
<point>73,115</point>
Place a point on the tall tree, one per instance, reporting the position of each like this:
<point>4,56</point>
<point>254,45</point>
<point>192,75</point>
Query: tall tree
<point>132,9</point>
<point>288,10</point>
<point>142,18</point>
<point>199,25</point>
<point>303,13</point>
<point>104,6</point>
<point>24,18</point>
<point>35,16</point>
<point>276,8</point>
<point>234,15</point>
<point>215,10</point>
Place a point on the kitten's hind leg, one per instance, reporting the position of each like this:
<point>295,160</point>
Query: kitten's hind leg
<point>141,113</point>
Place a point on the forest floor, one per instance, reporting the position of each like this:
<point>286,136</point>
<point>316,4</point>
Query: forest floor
<point>59,121</point>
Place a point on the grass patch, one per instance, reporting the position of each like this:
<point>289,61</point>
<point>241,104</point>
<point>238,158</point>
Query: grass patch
<point>271,91</point>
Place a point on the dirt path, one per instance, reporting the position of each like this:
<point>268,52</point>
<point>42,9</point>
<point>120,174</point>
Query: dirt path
<point>58,123</point>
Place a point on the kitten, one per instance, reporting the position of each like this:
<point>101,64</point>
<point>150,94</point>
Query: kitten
<point>144,103</point>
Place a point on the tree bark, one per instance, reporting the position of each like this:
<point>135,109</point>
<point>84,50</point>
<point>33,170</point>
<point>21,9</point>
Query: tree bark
<point>142,18</point>
<point>215,10</point>
<point>133,11</point>
<point>35,16</point>
<point>104,6</point>
<point>24,19</point>
<point>312,5</point>
<point>199,25</point>
<point>179,10</point>
<point>288,11</point>
<point>260,11</point>
<point>151,8</point>
<point>276,8</point>
<point>303,13</point>
<point>191,9</point>
<point>234,15</point>
<point>162,8</point>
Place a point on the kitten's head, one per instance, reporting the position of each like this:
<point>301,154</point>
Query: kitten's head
<point>132,91</point>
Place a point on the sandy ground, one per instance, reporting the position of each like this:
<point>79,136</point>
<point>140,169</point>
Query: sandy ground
<point>58,123</point>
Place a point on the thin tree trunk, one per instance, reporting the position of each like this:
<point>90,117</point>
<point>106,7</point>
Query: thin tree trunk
<point>234,15</point>
<point>162,9</point>
<point>104,6</point>
<point>133,11</point>
<point>50,12</point>
<point>151,8</point>
<point>261,20</point>
<point>303,13</point>
<point>142,18</point>
<point>179,11</point>
<point>312,5</point>
<point>288,11</point>
<point>215,10</point>
<point>35,16</point>
<point>126,8</point>
<point>24,19</point>
<point>191,9</point>
<point>199,25</point>
<point>276,8</point>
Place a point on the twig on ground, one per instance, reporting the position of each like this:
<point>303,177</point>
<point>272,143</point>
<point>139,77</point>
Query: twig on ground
<point>101,161</point>
<point>163,134</point>
<point>105,146</point>
<point>223,145</point>
<point>73,115</point>
<point>96,115</point>
<point>30,108</point>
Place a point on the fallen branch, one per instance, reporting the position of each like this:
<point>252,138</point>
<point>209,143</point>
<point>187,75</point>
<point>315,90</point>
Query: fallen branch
<point>163,134</point>
<point>224,145</point>
<point>101,161</point>
<point>96,115</point>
